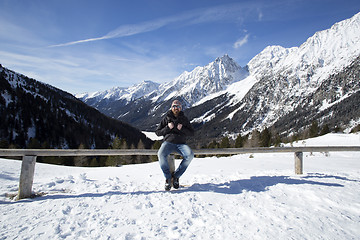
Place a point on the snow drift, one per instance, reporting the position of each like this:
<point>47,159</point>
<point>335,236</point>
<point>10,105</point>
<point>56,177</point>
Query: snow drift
<point>239,197</point>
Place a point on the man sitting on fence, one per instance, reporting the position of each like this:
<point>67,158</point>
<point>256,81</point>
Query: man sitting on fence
<point>174,127</point>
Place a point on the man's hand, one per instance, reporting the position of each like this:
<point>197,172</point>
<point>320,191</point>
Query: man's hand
<point>179,126</point>
<point>171,125</point>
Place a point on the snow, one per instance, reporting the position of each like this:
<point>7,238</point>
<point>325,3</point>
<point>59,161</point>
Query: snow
<point>208,116</point>
<point>152,136</point>
<point>333,139</point>
<point>326,105</point>
<point>192,86</point>
<point>293,74</point>
<point>118,93</point>
<point>325,52</point>
<point>245,196</point>
<point>31,132</point>
<point>7,98</point>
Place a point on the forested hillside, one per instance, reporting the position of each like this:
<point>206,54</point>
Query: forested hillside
<point>36,115</point>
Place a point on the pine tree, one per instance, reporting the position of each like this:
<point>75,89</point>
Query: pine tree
<point>156,145</point>
<point>325,130</point>
<point>225,143</point>
<point>239,142</point>
<point>314,129</point>
<point>254,141</point>
<point>34,144</point>
<point>141,158</point>
<point>265,138</point>
<point>213,144</point>
<point>81,161</point>
<point>133,158</point>
<point>116,160</point>
<point>277,140</point>
<point>117,143</point>
<point>4,143</point>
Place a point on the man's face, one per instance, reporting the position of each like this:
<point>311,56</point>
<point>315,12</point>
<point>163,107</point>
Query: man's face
<point>175,108</point>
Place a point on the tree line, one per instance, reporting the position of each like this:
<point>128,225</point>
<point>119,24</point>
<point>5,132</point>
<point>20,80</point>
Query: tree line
<point>269,137</point>
<point>36,115</point>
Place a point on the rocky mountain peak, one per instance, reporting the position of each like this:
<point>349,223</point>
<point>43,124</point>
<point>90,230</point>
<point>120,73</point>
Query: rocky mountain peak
<point>274,84</point>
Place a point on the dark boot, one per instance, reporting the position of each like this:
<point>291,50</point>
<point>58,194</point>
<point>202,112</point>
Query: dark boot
<point>176,184</point>
<point>168,184</point>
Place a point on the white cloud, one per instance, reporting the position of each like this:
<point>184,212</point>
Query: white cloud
<point>260,16</point>
<point>125,30</point>
<point>75,70</point>
<point>197,16</point>
<point>12,34</point>
<point>80,41</point>
<point>93,71</point>
<point>242,41</point>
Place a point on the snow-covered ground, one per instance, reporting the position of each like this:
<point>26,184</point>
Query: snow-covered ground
<point>238,197</point>
<point>152,136</point>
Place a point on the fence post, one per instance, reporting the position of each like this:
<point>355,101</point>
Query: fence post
<point>26,177</point>
<point>171,161</point>
<point>298,163</point>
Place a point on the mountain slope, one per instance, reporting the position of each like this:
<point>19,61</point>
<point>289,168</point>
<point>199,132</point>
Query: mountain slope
<point>288,79</point>
<point>202,81</point>
<point>277,84</point>
<point>32,110</point>
<point>334,103</point>
<point>190,87</point>
<point>145,111</point>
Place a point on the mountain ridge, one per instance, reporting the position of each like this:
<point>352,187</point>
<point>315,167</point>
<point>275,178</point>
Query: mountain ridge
<point>32,112</point>
<point>238,100</point>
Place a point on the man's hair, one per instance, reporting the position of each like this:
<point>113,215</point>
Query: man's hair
<point>176,102</point>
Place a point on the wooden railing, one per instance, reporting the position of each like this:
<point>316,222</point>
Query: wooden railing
<point>29,157</point>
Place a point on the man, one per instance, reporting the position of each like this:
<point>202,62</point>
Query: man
<point>174,127</point>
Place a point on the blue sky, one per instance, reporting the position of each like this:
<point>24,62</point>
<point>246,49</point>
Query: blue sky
<point>94,45</point>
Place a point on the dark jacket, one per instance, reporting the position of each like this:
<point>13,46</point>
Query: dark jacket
<point>174,135</point>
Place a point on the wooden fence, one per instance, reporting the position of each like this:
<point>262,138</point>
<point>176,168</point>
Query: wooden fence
<point>29,157</point>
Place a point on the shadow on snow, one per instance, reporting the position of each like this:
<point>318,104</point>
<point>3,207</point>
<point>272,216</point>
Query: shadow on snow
<point>254,184</point>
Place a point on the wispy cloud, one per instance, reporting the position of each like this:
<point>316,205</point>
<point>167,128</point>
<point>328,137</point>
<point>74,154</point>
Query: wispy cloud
<point>240,42</point>
<point>92,72</point>
<point>198,16</point>
<point>80,41</point>
<point>125,30</point>
<point>260,16</point>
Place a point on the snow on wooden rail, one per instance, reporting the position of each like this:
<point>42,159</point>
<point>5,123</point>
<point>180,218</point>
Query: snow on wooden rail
<point>212,151</point>
<point>29,157</point>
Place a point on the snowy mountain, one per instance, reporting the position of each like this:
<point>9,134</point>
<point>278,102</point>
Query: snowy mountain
<point>190,86</point>
<point>117,93</point>
<point>276,85</point>
<point>287,79</point>
<point>37,115</point>
<point>193,86</point>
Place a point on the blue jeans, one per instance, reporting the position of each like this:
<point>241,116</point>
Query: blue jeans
<point>166,149</point>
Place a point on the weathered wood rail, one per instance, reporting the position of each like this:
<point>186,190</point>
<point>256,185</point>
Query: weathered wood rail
<point>29,157</point>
